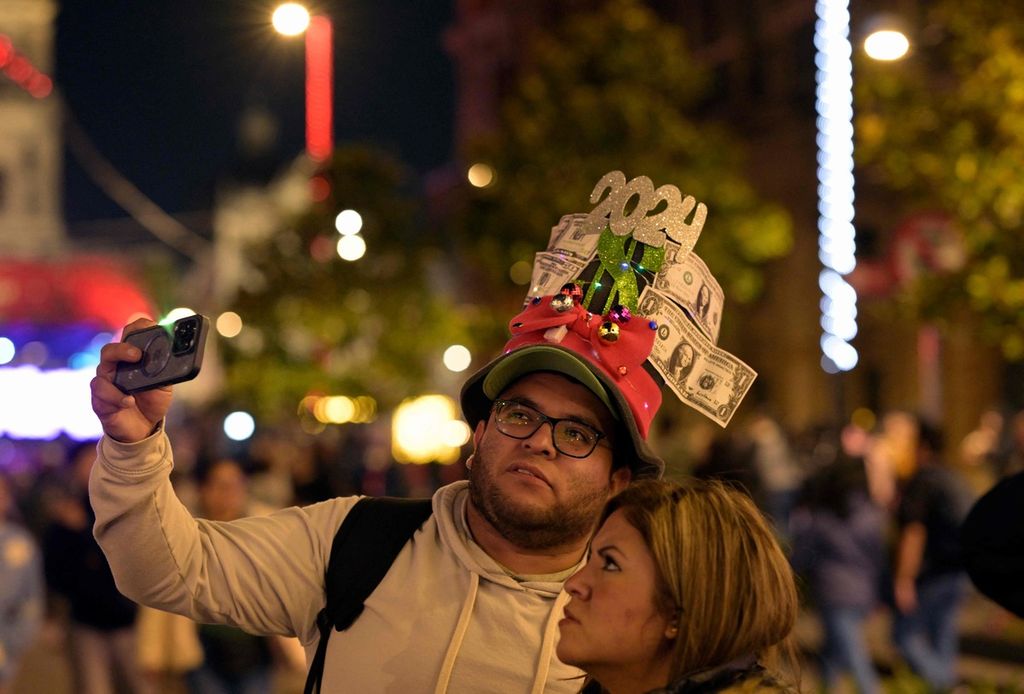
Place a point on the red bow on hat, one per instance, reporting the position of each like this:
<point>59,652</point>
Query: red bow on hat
<point>617,344</point>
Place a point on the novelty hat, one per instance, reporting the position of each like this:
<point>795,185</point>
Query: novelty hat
<point>621,304</point>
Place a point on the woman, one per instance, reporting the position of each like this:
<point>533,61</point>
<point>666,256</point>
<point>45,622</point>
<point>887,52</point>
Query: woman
<point>686,590</point>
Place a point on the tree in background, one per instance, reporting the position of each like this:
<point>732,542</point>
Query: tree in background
<point>609,88</point>
<point>375,326</point>
<point>945,129</point>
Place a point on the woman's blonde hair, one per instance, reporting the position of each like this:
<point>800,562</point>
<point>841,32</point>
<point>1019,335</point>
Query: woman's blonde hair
<point>721,573</point>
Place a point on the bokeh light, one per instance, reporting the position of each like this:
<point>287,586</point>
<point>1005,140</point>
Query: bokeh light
<point>229,324</point>
<point>521,272</point>
<point>239,426</point>
<point>886,45</point>
<point>422,430</point>
<point>351,247</point>
<point>290,19</point>
<point>6,350</point>
<point>348,222</point>
<point>175,314</point>
<point>480,175</point>
<point>457,358</point>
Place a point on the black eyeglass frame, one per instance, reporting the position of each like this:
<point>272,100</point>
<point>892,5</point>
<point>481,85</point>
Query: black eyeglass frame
<point>545,419</point>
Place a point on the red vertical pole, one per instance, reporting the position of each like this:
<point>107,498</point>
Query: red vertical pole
<point>319,89</point>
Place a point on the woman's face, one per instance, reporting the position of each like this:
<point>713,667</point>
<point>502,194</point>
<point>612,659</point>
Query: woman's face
<point>611,626</point>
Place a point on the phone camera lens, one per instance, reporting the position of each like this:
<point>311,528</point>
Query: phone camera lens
<point>184,335</point>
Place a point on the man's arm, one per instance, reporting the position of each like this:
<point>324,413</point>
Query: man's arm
<point>909,555</point>
<point>265,575</point>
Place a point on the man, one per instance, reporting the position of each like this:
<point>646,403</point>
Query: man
<point>472,602</point>
<point>929,582</point>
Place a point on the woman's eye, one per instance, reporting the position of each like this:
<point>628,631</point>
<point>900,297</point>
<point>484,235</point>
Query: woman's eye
<point>608,564</point>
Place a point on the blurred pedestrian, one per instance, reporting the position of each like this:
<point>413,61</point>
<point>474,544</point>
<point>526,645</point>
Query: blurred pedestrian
<point>101,620</point>
<point>779,474</point>
<point>929,583</point>
<point>21,588</point>
<point>234,662</point>
<point>837,533</point>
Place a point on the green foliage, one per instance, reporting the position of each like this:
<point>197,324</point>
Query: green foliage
<point>612,88</point>
<point>376,326</point>
<point>945,128</point>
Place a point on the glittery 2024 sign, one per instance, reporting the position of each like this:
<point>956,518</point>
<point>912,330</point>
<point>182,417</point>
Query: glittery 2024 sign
<point>612,194</point>
<point>632,245</point>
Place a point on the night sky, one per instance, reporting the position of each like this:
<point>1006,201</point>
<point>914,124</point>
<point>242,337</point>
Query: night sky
<point>160,85</point>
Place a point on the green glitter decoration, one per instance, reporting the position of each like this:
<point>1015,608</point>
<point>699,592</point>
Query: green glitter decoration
<point>614,251</point>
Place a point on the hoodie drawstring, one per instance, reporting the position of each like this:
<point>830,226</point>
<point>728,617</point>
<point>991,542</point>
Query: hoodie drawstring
<point>547,645</point>
<point>460,632</point>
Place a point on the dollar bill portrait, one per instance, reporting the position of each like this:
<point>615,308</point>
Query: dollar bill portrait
<point>702,302</point>
<point>680,364</point>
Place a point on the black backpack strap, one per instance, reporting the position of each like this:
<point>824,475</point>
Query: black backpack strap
<point>364,548</point>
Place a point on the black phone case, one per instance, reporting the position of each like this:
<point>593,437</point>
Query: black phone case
<point>158,365</point>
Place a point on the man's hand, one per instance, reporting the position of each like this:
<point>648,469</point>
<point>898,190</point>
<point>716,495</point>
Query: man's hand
<point>905,592</point>
<point>126,418</point>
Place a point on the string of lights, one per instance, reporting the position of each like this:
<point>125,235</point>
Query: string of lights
<point>836,240</point>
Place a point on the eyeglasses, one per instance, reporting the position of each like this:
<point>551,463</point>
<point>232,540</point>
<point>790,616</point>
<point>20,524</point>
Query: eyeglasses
<point>572,438</point>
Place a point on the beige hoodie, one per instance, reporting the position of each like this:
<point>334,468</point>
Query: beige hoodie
<point>446,618</point>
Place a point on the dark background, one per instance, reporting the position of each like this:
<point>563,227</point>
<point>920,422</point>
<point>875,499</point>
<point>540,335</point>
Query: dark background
<point>160,86</point>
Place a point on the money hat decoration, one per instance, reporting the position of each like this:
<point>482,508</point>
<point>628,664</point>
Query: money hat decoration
<point>620,302</point>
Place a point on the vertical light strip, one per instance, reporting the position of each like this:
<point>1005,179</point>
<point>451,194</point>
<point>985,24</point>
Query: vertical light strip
<point>836,240</point>
<point>319,88</point>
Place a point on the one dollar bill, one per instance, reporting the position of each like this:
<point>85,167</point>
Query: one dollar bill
<point>708,379</point>
<point>689,282</point>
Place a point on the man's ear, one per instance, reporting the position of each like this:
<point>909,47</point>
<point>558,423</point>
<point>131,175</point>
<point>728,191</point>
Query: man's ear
<point>621,479</point>
<point>478,434</point>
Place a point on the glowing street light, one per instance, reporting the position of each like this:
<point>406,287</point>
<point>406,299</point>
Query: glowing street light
<point>886,44</point>
<point>292,19</point>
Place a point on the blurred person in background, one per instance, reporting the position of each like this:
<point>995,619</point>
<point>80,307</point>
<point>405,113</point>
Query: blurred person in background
<point>929,583</point>
<point>686,590</point>
<point>837,531</point>
<point>101,621</point>
<point>21,588</point>
<point>1011,459</point>
<point>779,475</point>
<point>233,662</point>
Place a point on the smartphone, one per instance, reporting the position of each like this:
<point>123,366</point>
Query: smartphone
<point>170,354</point>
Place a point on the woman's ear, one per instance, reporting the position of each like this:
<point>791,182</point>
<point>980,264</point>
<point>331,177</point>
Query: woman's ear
<point>672,630</point>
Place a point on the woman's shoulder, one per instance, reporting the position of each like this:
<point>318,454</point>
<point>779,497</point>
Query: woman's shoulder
<point>759,682</point>
<point>755,679</point>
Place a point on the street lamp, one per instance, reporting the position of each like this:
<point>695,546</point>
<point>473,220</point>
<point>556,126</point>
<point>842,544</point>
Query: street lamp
<point>292,19</point>
<point>886,44</point>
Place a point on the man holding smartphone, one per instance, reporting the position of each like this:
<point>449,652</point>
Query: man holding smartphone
<point>472,602</point>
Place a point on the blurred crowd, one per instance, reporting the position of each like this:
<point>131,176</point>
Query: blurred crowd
<point>870,513</point>
<point>56,588</point>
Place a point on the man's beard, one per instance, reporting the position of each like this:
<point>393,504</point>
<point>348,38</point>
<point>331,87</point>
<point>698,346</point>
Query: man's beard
<point>528,527</point>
